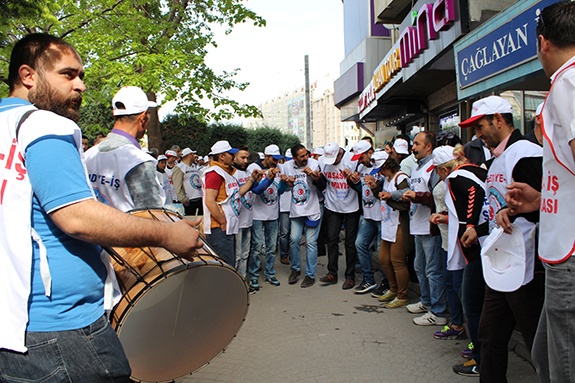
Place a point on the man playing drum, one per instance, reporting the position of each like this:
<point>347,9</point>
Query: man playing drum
<point>52,278</point>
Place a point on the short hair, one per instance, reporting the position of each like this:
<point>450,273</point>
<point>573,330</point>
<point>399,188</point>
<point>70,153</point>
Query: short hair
<point>243,148</point>
<point>368,138</point>
<point>557,24</point>
<point>429,138</point>
<point>296,148</point>
<point>175,148</point>
<point>391,164</point>
<point>507,118</point>
<point>34,50</point>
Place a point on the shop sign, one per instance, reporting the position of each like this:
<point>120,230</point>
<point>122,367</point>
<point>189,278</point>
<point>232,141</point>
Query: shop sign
<point>390,65</point>
<point>366,97</point>
<point>510,45</point>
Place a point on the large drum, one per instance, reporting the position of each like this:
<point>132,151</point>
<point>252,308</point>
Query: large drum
<point>175,315</point>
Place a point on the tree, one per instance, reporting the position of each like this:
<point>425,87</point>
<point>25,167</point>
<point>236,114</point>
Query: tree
<point>159,45</point>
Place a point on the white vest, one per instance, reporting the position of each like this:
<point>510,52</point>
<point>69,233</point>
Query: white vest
<point>107,174</point>
<point>192,181</point>
<point>164,181</point>
<point>498,177</point>
<point>266,205</point>
<point>230,206</point>
<point>455,258</point>
<point>304,194</point>
<point>285,198</point>
<point>170,192</point>
<point>370,203</point>
<point>557,205</point>
<point>419,214</point>
<point>339,197</point>
<point>389,216</point>
<point>247,201</point>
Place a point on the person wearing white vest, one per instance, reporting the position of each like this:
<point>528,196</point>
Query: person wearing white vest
<point>303,178</point>
<point>285,204</point>
<point>515,159</point>
<point>122,175</point>
<point>556,51</point>
<point>222,201</point>
<point>163,178</point>
<point>266,219</point>
<point>428,265</point>
<point>186,178</point>
<point>54,284</point>
<point>341,207</point>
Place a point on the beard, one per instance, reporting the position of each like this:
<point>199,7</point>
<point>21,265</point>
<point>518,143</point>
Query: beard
<point>46,98</point>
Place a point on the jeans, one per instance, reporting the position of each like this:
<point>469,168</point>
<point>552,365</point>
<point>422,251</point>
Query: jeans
<point>333,221</point>
<point>243,240</point>
<point>501,312</point>
<point>296,231</point>
<point>263,233</point>
<point>92,354</point>
<point>472,296</point>
<point>554,344</point>
<point>284,234</point>
<point>429,269</point>
<point>453,280</point>
<point>368,230</point>
<point>224,245</point>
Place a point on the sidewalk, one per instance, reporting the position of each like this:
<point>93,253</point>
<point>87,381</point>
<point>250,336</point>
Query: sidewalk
<point>326,334</point>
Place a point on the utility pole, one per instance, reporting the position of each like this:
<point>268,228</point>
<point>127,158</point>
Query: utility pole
<point>308,143</point>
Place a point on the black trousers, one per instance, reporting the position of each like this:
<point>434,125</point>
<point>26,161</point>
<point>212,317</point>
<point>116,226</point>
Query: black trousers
<point>334,221</point>
<point>194,207</point>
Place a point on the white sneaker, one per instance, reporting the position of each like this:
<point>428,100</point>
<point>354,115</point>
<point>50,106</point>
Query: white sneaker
<point>417,308</point>
<point>429,319</point>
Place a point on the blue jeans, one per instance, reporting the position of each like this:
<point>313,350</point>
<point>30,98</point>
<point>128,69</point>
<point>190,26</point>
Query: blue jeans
<point>429,269</point>
<point>284,234</point>
<point>453,280</point>
<point>296,231</point>
<point>224,245</point>
<point>263,233</point>
<point>368,230</point>
<point>92,354</point>
<point>243,240</point>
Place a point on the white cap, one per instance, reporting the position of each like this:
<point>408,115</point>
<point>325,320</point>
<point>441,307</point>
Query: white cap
<point>442,155</point>
<point>274,151</point>
<point>330,152</point>
<point>486,106</point>
<point>222,147</point>
<point>130,100</point>
<point>359,148</point>
<point>262,155</point>
<point>161,157</point>
<point>378,159</point>
<point>187,151</point>
<point>206,159</point>
<point>171,153</point>
<point>288,154</point>
<point>503,258</point>
<point>318,151</point>
<point>539,109</point>
<point>401,146</point>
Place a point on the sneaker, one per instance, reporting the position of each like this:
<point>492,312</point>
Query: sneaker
<point>272,281</point>
<point>293,277</point>
<point>469,368</point>
<point>348,284</point>
<point>254,284</point>
<point>328,279</point>
<point>284,260</point>
<point>379,291</point>
<point>429,319</point>
<point>417,308</point>
<point>468,352</point>
<point>251,290</point>
<point>396,303</point>
<point>388,296</point>
<point>307,282</point>
<point>364,287</point>
<point>448,332</point>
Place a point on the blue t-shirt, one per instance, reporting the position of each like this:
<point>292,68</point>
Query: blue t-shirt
<point>78,275</point>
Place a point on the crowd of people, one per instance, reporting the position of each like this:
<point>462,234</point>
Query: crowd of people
<point>486,224</point>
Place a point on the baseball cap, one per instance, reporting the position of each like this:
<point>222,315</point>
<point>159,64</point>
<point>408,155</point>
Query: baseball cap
<point>359,148</point>
<point>486,106</point>
<point>330,152</point>
<point>378,159</point>
<point>161,157</point>
<point>442,155</point>
<point>222,146</point>
<point>318,151</point>
<point>539,109</point>
<point>401,146</point>
<point>187,151</point>
<point>206,159</point>
<point>503,258</point>
<point>288,154</point>
<point>171,153</point>
<point>274,151</point>
<point>130,100</point>
<point>262,155</point>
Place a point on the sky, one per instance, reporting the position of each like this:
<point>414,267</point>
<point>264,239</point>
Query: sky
<point>271,58</point>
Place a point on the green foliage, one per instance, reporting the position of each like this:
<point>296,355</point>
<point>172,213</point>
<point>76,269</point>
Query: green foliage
<point>95,119</point>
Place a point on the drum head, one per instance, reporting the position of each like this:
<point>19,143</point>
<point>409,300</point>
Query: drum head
<point>183,322</point>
